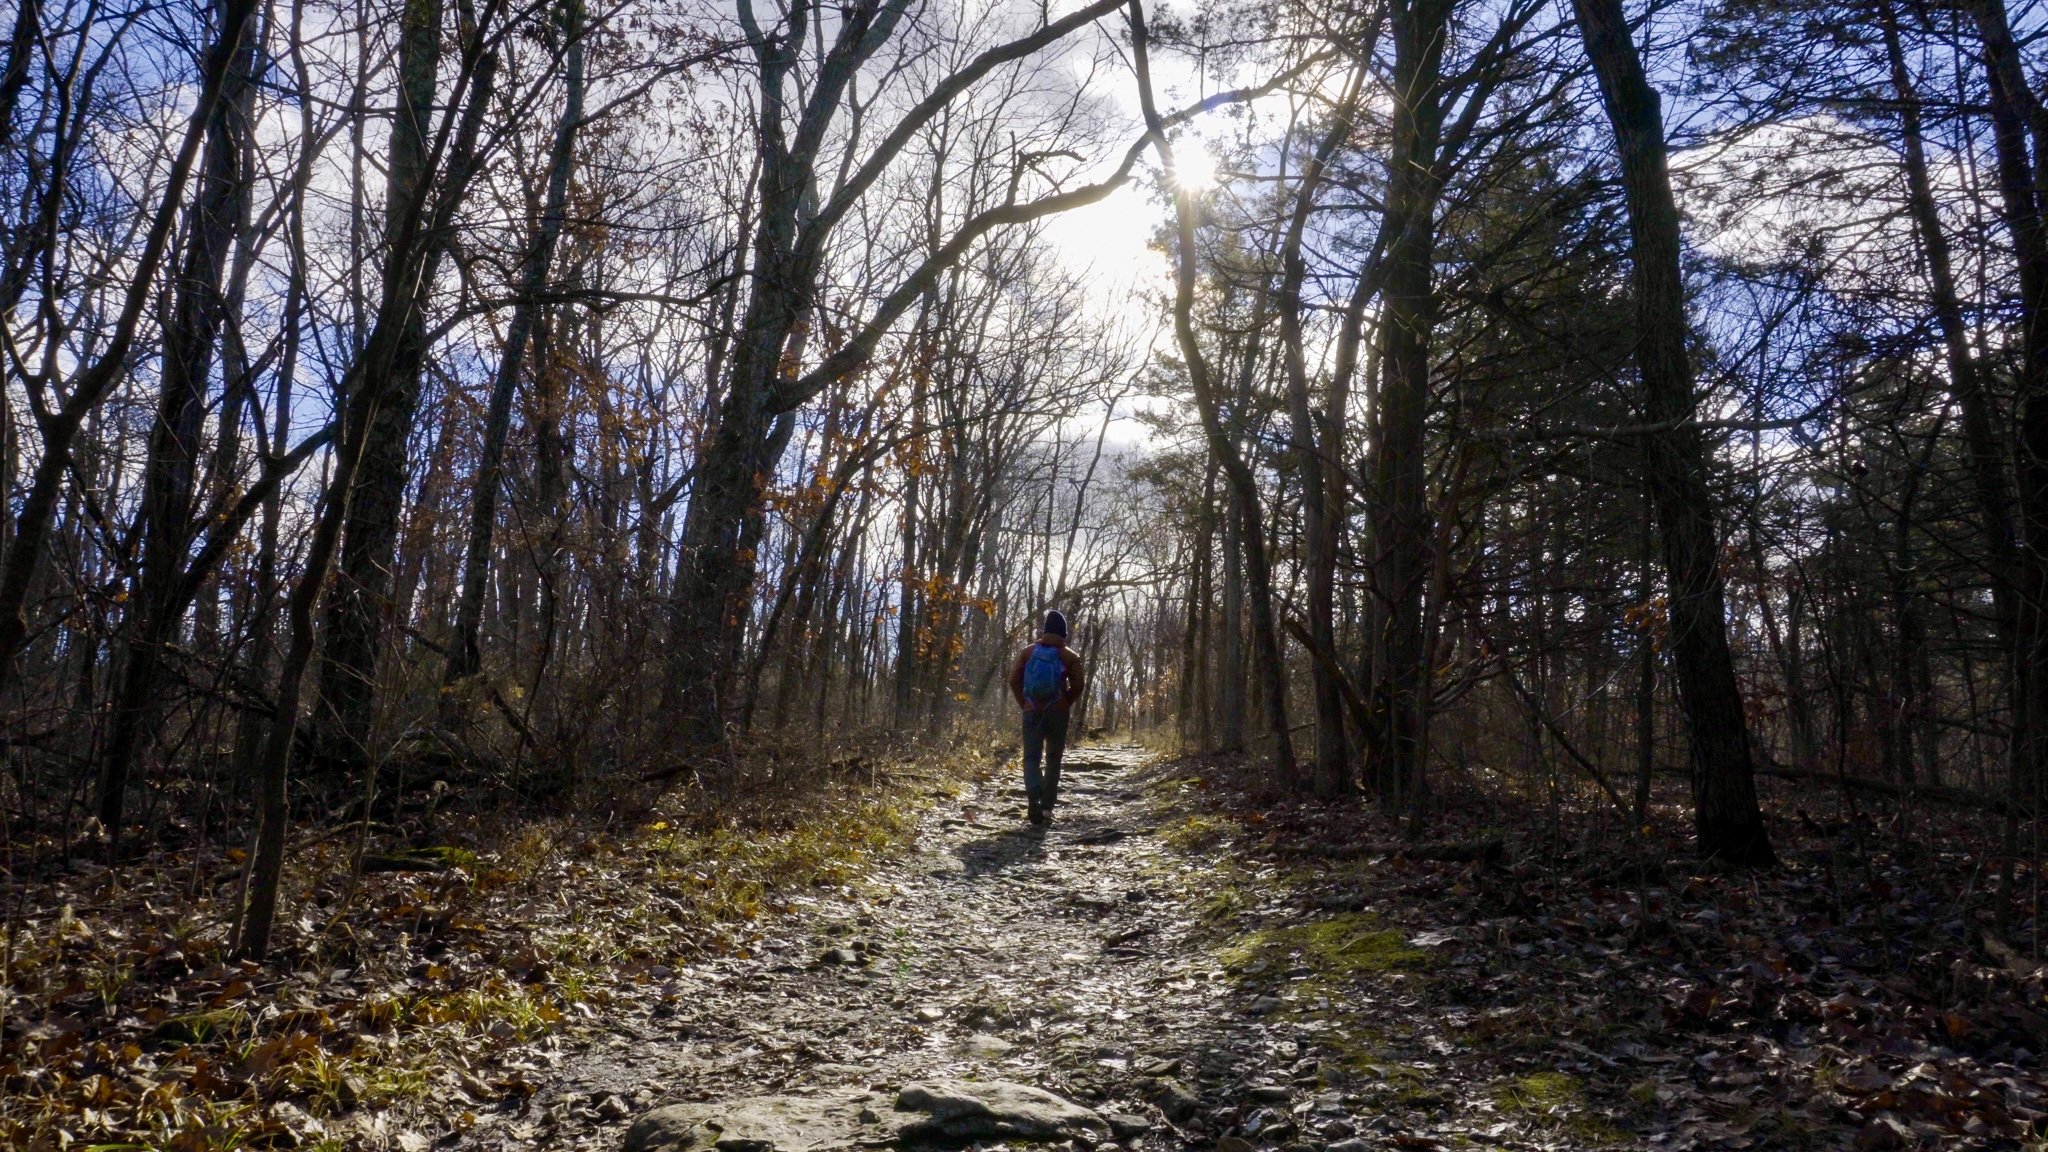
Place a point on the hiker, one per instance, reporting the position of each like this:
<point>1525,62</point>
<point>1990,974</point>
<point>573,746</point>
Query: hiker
<point>1046,679</point>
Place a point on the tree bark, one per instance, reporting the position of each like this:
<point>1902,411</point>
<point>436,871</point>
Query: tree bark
<point>1316,451</point>
<point>1726,820</point>
<point>198,312</point>
<point>1243,484</point>
<point>465,657</point>
<point>1989,463</point>
<point>416,229</point>
<point>357,608</point>
<point>2013,109</point>
<point>1398,517</point>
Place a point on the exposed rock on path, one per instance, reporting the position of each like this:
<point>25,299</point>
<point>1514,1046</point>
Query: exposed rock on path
<point>1155,963</point>
<point>1108,964</point>
<point>1059,959</point>
<point>949,1112</point>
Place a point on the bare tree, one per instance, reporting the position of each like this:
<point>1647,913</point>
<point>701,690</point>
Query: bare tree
<point>1725,816</point>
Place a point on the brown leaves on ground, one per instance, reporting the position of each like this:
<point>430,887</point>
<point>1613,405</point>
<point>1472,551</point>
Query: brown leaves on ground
<point>1856,995</point>
<point>402,1003</point>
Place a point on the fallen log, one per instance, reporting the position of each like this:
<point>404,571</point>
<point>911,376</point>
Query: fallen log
<point>1931,793</point>
<point>1488,851</point>
<point>2019,966</point>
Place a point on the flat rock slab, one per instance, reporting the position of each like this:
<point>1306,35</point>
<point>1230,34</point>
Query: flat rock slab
<point>827,1122</point>
<point>949,1112</point>
<point>959,1111</point>
<point>1103,759</point>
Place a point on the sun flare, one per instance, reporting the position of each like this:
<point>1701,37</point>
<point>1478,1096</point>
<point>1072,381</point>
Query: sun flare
<point>1194,166</point>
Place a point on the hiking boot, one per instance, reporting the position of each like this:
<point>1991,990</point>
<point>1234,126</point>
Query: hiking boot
<point>1038,815</point>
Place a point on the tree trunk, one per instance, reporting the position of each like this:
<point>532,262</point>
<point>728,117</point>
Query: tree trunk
<point>416,236</point>
<point>2012,106</point>
<point>1315,451</point>
<point>1399,528</point>
<point>1987,453</point>
<point>909,605</point>
<point>1726,819</point>
<point>1237,474</point>
<point>1646,695</point>
<point>465,657</point>
<point>199,307</point>
<point>92,382</point>
<point>357,608</point>
<point>716,568</point>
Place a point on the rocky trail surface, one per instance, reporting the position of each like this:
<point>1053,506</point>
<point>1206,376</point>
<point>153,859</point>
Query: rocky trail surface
<point>888,955</point>
<point>1069,959</point>
<point>1176,965</point>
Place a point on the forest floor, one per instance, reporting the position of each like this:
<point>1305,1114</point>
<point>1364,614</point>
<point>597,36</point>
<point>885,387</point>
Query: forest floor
<point>1215,970</point>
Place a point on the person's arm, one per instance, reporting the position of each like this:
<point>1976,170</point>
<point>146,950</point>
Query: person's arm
<point>1017,676</point>
<point>1077,678</point>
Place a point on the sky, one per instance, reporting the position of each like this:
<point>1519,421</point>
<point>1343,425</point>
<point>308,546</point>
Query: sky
<point>1113,245</point>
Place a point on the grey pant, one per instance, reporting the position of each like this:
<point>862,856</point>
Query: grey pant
<point>1045,734</point>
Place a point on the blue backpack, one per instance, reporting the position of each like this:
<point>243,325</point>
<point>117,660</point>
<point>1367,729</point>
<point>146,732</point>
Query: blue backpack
<point>1044,674</point>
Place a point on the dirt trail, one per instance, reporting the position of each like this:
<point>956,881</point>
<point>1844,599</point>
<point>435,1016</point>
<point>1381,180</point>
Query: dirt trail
<point>1063,958</point>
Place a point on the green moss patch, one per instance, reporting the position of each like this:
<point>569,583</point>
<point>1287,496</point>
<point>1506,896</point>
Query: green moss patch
<point>1540,1092</point>
<point>1345,945</point>
<point>1223,904</point>
<point>1195,833</point>
<point>1557,1100</point>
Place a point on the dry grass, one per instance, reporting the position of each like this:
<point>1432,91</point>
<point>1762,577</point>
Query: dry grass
<point>406,993</point>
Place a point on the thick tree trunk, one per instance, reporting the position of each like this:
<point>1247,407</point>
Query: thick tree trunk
<point>415,228</point>
<point>2013,110</point>
<point>1726,819</point>
<point>766,379</point>
<point>1233,695</point>
<point>715,574</point>
<point>199,308</point>
<point>357,608</point>
<point>714,570</point>
<point>1399,516</point>
<point>1316,451</point>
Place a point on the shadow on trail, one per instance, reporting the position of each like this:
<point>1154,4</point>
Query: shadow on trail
<point>1025,846</point>
<point>1008,848</point>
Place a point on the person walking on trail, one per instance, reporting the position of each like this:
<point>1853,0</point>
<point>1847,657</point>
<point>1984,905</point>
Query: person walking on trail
<point>1047,679</point>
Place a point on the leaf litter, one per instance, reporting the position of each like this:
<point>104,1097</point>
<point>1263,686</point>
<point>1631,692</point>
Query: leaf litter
<point>1202,965</point>
<point>431,997</point>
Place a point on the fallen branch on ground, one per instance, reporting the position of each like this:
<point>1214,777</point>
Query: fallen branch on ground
<point>1488,851</point>
<point>1931,793</point>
